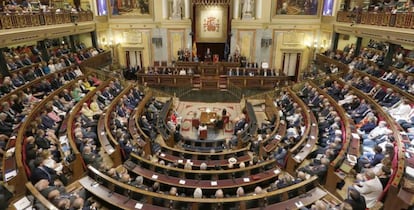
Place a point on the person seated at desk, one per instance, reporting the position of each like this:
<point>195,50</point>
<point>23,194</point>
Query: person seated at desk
<point>202,127</point>
<point>218,122</point>
<point>356,200</point>
<point>240,124</point>
<point>208,55</point>
<point>370,189</point>
<point>182,72</point>
<point>316,169</point>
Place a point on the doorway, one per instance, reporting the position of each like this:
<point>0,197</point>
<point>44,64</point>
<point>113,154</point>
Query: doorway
<point>133,58</point>
<point>291,63</point>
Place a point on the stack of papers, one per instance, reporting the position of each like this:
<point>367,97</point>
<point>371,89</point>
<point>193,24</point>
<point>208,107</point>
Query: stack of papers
<point>299,204</point>
<point>213,183</point>
<point>139,205</point>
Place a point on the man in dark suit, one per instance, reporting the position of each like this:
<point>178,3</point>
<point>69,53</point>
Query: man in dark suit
<point>239,125</point>
<point>39,71</point>
<point>391,100</point>
<point>317,169</point>
<point>360,110</point>
<point>43,172</point>
<point>5,127</point>
<point>26,61</point>
<point>377,93</point>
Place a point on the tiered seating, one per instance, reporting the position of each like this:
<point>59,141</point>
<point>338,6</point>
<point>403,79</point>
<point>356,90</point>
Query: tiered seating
<point>105,136</point>
<point>309,137</point>
<point>133,195</point>
<point>398,160</point>
<point>178,170</point>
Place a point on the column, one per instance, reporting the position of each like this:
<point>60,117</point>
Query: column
<point>41,46</point>
<point>72,43</point>
<point>335,40</point>
<point>165,9</point>
<point>187,9</point>
<point>94,39</point>
<point>258,9</point>
<point>236,7</point>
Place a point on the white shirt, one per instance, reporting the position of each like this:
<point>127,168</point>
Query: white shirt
<point>371,190</point>
<point>401,112</point>
<point>182,72</point>
<point>378,131</point>
<point>52,67</point>
<point>201,128</point>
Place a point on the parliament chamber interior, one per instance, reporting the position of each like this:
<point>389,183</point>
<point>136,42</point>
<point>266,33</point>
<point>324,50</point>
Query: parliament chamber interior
<point>207,104</point>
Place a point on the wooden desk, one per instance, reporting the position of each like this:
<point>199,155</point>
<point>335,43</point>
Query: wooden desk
<point>307,199</point>
<point>210,173</point>
<point>210,163</point>
<point>307,141</point>
<point>399,158</point>
<point>113,198</point>
<point>194,203</point>
<point>207,118</point>
<point>249,181</point>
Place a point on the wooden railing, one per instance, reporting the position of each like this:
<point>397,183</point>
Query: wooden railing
<point>392,188</point>
<point>16,20</point>
<point>114,188</point>
<point>309,137</point>
<point>102,59</point>
<point>399,20</point>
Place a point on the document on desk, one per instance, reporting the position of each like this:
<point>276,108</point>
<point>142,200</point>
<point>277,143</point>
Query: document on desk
<point>23,203</point>
<point>154,176</point>
<point>182,181</point>
<point>213,183</point>
<point>10,175</point>
<point>162,155</point>
<point>277,171</point>
<point>246,179</point>
<point>139,205</point>
<point>299,204</point>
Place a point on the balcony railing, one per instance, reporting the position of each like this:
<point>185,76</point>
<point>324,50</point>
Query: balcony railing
<point>15,20</point>
<point>399,20</point>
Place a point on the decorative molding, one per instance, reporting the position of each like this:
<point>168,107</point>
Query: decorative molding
<point>293,38</point>
<point>211,2</point>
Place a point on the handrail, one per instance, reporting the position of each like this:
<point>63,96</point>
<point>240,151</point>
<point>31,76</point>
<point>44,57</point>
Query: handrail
<point>29,119</point>
<point>235,90</point>
<point>116,152</point>
<point>45,202</point>
<point>33,82</point>
<point>133,127</point>
<point>306,111</point>
<point>397,175</point>
<point>400,20</point>
<point>11,20</point>
<point>149,194</point>
<point>70,127</point>
<point>341,114</point>
<point>390,121</point>
<point>216,172</point>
